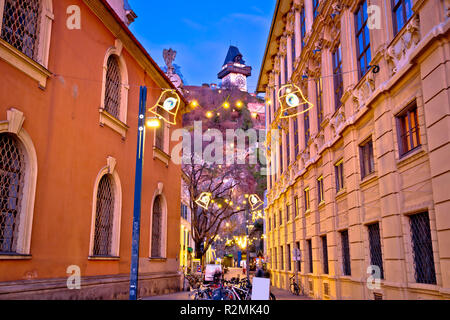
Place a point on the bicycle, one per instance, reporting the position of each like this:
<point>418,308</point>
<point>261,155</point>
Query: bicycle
<point>294,287</point>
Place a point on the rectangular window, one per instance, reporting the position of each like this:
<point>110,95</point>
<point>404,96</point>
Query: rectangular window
<point>287,212</point>
<point>316,8</point>
<point>269,224</point>
<point>286,73</point>
<point>288,257</point>
<point>306,195</point>
<point>280,217</point>
<point>281,258</point>
<point>159,137</point>
<point>376,256</point>
<point>299,263</point>
<point>275,258</point>
<point>320,192</point>
<point>402,11</point>
<point>274,221</point>
<point>408,130</point>
<point>345,253</point>
<point>363,39</point>
<point>293,51</point>
<point>422,248</point>
<point>338,78</point>
<point>295,206</point>
<point>366,159</point>
<point>302,26</point>
<point>275,103</point>
<point>339,173</point>
<point>20,26</point>
<point>325,254</point>
<point>288,148</point>
<point>319,96</point>
<point>281,156</point>
<point>310,256</point>
<point>296,145</point>
<point>306,124</point>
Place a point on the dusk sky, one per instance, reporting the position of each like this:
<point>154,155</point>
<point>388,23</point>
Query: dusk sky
<point>201,32</point>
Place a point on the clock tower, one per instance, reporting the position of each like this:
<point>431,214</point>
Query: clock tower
<point>234,72</point>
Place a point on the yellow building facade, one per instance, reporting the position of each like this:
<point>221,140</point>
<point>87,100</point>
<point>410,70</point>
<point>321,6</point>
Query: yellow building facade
<point>360,182</point>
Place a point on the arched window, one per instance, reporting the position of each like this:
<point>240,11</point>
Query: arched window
<point>21,25</point>
<point>113,86</point>
<point>104,218</point>
<point>157,219</point>
<point>12,176</point>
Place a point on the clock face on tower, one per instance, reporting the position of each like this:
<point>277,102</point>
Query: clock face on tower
<point>240,81</point>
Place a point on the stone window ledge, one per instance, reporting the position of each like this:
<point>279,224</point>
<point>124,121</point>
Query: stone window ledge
<point>161,155</point>
<point>341,194</point>
<point>24,63</point>
<point>157,259</point>
<point>371,177</point>
<point>103,258</point>
<point>14,256</point>
<point>109,120</point>
<point>410,156</point>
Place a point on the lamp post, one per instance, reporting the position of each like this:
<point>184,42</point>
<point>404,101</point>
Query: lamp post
<point>137,196</point>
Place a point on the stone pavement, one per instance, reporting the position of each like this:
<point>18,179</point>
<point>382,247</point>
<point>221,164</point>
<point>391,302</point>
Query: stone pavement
<point>184,295</point>
<point>280,294</point>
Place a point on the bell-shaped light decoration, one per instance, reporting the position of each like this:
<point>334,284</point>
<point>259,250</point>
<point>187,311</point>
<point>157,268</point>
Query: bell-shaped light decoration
<point>167,106</point>
<point>255,201</point>
<point>204,200</point>
<point>292,101</point>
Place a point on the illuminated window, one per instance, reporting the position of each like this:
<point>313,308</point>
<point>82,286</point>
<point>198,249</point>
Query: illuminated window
<point>339,173</point>
<point>402,11</point>
<point>306,196</point>
<point>296,206</point>
<point>408,130</point>
<point>320,191</point>
<point>363,39</point>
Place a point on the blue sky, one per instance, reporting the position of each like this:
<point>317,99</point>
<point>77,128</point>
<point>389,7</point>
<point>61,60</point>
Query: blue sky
<point>201,32</point>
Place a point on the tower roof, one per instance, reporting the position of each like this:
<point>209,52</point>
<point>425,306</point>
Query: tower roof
<point>233,55</point>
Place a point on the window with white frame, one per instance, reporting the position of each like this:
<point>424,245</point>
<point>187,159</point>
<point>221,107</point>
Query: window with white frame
<point>113,86</point>
<point>12,180</point>
<point>20,25</point>
<point>18,175</point>
<point>104,218</point>
<point>157,244</point>
<point>25,32</point>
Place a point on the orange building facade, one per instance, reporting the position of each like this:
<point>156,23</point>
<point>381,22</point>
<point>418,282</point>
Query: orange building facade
<point>69,100</point>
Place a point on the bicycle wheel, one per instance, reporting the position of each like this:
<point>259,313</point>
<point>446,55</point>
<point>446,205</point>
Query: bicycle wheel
<point>294,289</point>
<point>272,296</point>
<point>228,295</point>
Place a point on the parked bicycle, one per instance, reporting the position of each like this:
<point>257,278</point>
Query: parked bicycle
<point>295,288</point>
